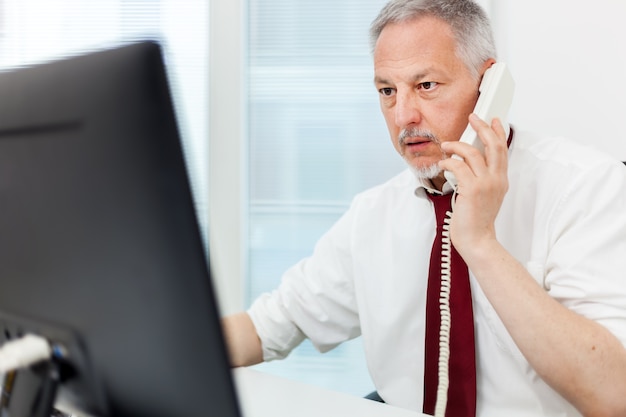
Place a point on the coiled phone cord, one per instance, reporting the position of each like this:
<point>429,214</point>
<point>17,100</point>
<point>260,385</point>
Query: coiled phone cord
<point>444,311</point>
<point>446,320</point>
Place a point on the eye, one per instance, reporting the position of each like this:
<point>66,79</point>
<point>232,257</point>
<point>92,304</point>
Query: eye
<point>386,91</point>
<point>428,85</point>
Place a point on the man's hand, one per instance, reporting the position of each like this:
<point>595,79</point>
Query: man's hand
<point>482,185</point>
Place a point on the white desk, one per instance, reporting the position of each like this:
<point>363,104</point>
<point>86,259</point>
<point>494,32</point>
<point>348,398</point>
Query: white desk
<point>264,395</point>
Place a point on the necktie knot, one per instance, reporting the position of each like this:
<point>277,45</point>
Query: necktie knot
<point>442,205</point>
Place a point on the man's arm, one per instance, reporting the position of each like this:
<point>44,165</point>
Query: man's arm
<point>242,342</point>
<point>576,356</point>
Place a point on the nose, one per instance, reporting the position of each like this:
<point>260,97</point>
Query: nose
<point>407,110</point>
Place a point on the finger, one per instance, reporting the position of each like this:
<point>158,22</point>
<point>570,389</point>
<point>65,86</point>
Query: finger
<point>496,150</point>
<point>487,134</point>
<point>466,151</point>
<point>498,127</point>
<point>458,167</point>
<point>472,157</point>
<point>493,139</point>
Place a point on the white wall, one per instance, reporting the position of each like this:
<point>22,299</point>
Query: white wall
<point>569,65</point>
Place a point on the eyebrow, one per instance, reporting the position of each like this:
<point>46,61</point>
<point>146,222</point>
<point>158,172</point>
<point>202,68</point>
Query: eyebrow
<point>379,80</point>
<point>417,77</point>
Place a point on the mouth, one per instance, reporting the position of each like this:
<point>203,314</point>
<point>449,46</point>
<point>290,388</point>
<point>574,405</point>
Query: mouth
<point>415,144</point>
<point>415,136</point>
<point>416,141</point>
<point>418,147</point>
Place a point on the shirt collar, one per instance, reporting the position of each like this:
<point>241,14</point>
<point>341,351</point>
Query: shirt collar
<point>427,186</point>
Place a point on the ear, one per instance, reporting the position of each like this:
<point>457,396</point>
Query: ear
<point>486,65</point>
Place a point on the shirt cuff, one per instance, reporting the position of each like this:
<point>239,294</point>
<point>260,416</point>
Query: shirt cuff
<point>278,334</point>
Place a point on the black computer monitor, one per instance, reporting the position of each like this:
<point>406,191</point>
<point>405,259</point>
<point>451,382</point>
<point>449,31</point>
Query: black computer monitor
<point>100,249</point>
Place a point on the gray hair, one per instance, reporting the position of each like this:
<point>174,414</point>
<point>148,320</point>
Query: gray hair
<point>467,19</point>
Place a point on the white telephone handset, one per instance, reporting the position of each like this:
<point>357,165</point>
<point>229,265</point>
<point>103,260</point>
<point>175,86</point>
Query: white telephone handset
<point>496,94</point>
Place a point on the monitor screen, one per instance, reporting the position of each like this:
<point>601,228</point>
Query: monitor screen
<point>100,249</point>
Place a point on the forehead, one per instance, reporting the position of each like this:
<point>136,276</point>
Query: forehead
<point>425,41</point>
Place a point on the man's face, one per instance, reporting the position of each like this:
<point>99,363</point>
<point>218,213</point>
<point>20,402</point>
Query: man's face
<point>426,91</point>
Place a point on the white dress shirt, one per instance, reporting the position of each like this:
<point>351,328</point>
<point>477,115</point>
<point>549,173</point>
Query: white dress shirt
<point>563,217</point>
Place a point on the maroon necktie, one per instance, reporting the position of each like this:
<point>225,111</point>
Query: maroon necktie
<point>462,364</point>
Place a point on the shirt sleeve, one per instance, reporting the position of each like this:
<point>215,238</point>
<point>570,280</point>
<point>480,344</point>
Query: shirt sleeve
<point>586,266</point>
<point>315,299</point>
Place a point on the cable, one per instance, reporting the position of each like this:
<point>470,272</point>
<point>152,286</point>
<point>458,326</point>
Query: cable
<point>444,312</point>
<point>23,352</point>
<point>446,319</point>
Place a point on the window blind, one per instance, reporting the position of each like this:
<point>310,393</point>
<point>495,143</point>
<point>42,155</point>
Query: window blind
<point>316,138</point>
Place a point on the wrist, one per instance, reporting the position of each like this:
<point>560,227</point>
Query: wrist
<point>481,254</point>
